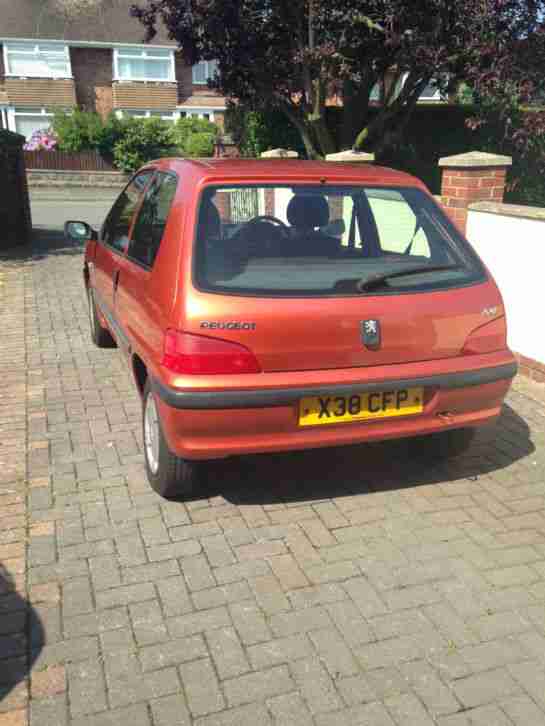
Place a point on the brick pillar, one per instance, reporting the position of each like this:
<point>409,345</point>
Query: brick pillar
<point>472,177</point>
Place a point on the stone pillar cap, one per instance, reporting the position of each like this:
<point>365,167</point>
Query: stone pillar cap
<point>475,159</point>
<point>351,155</point>
<point>279,154</point>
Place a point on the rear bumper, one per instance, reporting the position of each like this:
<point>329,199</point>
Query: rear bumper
<point>211,425</point>
<point>276,397</point>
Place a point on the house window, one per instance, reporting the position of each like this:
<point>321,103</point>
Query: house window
<point>430,93</point>
<point>37,60</point>
<point>165,115</point>
<point>198,113</point>
<point>375,93</point>
<point>28,120</point>
<point>146,64</point>
<point>203,71</point>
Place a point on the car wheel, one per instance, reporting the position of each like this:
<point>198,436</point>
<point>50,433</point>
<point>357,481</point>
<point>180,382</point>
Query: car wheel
<point>169,475</point>
<point>99,335</point>
<point>443,444</point>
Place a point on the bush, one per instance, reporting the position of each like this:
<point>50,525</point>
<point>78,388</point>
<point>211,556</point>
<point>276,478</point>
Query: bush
<point>142,140</point>
<point>182,135</point>
<point>77,131</point>
<point>257,131</point>
<point>41,140</point>
<point>200,145</point>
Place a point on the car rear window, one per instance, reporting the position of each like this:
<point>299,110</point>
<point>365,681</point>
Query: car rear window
<point>326,240</point>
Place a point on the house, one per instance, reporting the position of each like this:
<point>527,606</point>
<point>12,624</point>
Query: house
<point>59,54</point>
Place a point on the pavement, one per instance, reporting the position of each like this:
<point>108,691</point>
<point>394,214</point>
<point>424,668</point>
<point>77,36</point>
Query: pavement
<point>339,587</point>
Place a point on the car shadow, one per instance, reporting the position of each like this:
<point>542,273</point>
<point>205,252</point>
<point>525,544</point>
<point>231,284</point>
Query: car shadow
<point>22,635</point>
<point>317,474</point>
<point>46,242</point>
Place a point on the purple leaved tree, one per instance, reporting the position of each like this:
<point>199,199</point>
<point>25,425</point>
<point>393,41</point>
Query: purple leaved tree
<point>295,55</point>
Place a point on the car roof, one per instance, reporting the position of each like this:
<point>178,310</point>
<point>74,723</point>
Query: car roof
<point>285,171</point>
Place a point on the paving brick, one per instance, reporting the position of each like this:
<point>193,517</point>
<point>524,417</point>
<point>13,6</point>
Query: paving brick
<point>124,595</point>
<point>374,714</point>
<point>241,571</point>
<point>254,714</point>
<point>249,622</point>
<point>77,597</point>
<point>350,622</point>
<point>334,653</point>
<point>147,573</point>
<point>185,548</point>
<point>437,698</point>
<point>531,678</point>
<point>197,573</point>
<point>183,625</point>
<point>52,711</point>
<point>318,534</point>
<point>407,710</point>
<point>87,688</point>
<point>227,652</point>
<point>174,596</point>
<point>134,715</point>
<point>258,686</point>
<point>217,550</point>
<point>288,572</point>
<point>280,650</point>
<point>290,710</point>
<point>126,683</point>
<point>105,572</point>
<point>315,685</point>
<point>523,711</point>
<point>170,710</point>
<point>201,687</point>
<point>147,621</point>
<point>222,595</point>
<point>66,651</point>
<point>95,623</point>
<point>269,594</point>
<point>497,653</point>
<point>173,652</point>
<point>485,687</point>
<point>299,621</point>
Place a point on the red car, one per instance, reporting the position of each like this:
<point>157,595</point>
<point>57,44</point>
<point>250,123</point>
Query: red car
<point>275,305</point>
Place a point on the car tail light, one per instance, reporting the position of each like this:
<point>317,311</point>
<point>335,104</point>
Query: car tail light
<point>488,338</point>
<point>199,355</point>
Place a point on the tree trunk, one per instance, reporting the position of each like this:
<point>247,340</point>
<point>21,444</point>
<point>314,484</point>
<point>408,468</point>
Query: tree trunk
<point>355,113</point>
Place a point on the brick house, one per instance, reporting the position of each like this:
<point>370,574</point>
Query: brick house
<point>95,60</point>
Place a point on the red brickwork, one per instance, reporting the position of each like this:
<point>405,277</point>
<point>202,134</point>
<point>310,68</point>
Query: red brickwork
<point>462,186</point>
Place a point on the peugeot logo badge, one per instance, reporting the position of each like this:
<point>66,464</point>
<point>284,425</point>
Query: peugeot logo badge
<point>370,333</point>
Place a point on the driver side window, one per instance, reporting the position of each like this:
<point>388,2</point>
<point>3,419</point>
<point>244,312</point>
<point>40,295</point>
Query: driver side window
<point>117,227</point>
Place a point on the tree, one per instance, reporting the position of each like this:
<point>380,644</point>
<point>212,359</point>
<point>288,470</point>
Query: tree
<point>294,55</point>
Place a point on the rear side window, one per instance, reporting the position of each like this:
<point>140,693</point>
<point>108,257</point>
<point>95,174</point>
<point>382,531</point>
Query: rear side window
<point>117,227</point>
<point>327,240</point>
<point>152,218</point>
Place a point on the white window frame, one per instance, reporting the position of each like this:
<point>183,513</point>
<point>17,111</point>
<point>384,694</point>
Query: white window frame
<point>148,113</point>
<point>4,117</point>
<point>208,72</point>
<point>14,113</point>
<point>133,53</point>
<point>200,112</point>
<point>437,97</point>
<point>33,51</point>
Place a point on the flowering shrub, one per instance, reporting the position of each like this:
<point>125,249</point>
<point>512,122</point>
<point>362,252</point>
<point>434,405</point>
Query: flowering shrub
<point>41,140</point>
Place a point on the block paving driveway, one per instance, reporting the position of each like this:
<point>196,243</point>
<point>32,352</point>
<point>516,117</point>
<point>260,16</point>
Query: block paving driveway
<point>340,587</point>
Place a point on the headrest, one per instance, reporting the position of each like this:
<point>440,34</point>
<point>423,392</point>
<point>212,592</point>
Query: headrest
<point>209,220</point>
<point>308,211</point>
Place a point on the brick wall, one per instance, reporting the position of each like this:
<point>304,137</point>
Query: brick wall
<point>15,221</point>
<point>93,73</point>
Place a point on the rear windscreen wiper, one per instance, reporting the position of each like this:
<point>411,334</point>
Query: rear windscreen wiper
<point>377,280</point>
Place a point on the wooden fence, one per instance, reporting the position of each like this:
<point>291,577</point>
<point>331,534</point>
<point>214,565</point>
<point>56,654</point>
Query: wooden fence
<point>64,161</point>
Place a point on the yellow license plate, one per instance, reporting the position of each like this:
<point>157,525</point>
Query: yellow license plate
<point>319,410</point>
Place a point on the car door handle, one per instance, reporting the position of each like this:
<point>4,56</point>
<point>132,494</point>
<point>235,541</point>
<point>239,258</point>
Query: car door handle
<point>116,279</point>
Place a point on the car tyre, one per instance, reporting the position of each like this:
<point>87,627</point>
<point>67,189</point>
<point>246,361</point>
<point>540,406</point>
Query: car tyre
<point>100,336</point>
<point>169,475</point>
<point>443,444</point>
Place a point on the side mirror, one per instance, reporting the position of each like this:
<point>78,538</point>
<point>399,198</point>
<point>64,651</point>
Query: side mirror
<point>79,232</point>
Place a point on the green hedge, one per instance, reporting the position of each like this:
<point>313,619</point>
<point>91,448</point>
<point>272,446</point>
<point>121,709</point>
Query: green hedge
<point>433,132</point>
<point>131,142</point>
